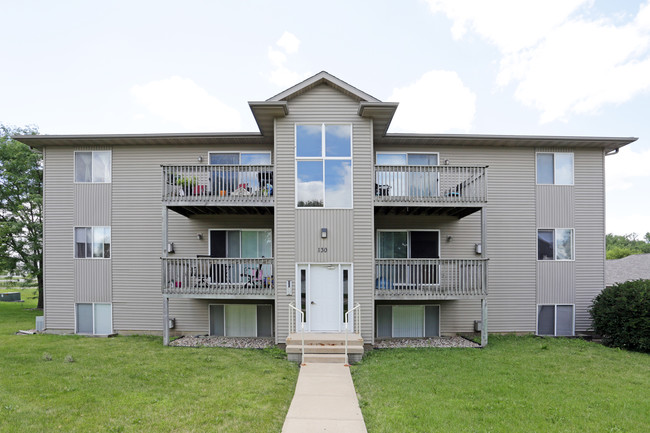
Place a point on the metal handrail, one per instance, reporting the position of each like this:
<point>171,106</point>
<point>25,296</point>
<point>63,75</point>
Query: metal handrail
<point>347,319</point>
<point>302,328</point>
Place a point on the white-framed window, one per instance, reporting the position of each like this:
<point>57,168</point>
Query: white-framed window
<point>241,320</point>
<point>408,321</point>
<point>324,165</point>
<point>397,182</point>
<point>413,244</point>
<point>556,319</point>
<point>92,166</point>
<point>554,168</point>
<point>94,318</point>
<point>239,158</point>
<point>92,242</point>
<point>555,244</point>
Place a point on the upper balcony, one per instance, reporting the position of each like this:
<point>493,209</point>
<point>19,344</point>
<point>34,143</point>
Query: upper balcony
<point>430,190</point>
<point>215,189</point>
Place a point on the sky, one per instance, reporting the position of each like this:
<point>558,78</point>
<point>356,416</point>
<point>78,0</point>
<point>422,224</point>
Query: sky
<point>541,67</point>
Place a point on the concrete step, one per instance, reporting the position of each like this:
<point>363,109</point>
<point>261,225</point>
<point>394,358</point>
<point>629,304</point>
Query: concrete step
<point>325,358</point>
<point>322,338</point>
<point>297,348</point>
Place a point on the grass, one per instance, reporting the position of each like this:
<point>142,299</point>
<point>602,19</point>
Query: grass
<point>128,384</point>
<point>516,384</point>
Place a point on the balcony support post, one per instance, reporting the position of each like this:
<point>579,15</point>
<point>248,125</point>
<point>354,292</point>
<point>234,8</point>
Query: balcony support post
<point>165,321</point>
<point>484,322</point>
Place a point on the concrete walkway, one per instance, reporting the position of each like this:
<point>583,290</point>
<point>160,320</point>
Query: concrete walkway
<point>324,401</point>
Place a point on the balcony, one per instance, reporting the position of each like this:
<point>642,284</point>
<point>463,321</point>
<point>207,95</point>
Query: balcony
<point>216,189</point>
<point>218,278</point>
<point>430,190</point>
<point>430,278</point>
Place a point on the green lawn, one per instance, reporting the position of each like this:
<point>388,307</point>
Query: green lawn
<point>516,384</point>
<point>127,384</point>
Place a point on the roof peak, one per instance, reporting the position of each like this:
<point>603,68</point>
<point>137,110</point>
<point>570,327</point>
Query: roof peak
<point>323,77</point>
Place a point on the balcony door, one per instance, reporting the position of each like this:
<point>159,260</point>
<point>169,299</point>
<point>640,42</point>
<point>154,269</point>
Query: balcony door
<point>411,253</point>
<point>240,244</point>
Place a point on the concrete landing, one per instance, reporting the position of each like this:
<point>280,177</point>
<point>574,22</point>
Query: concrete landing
<point>324,401</point>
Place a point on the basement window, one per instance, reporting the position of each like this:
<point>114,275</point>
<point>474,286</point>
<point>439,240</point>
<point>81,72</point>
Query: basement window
<point>556,320</point>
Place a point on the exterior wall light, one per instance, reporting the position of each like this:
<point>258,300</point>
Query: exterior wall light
<point>199,236</point>
<point>323,233</point>
<point>200,159</point>
<point>449,238</point>
<point>170,248</point>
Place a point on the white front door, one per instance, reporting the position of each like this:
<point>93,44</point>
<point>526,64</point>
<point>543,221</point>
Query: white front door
<point>324,298</point>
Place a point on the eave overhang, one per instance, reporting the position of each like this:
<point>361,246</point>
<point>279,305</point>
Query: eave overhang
<point>265,112</point>
<point>606,143</point>
<point>382,114</point>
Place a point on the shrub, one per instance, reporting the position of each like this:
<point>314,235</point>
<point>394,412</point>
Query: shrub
<point>621,314</point>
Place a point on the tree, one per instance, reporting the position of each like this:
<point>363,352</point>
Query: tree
<point>21,207</point>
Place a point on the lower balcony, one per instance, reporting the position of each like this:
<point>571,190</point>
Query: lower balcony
<point>202,277</point>
<point>430,278</point>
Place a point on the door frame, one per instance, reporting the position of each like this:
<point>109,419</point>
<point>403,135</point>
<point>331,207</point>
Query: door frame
<point>298,292</point>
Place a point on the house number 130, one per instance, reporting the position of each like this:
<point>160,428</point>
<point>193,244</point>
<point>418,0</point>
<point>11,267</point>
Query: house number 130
<point>322,249</point>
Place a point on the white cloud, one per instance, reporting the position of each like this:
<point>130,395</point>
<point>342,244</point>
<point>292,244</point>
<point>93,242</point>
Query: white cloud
<point>437,102</point>
<point>560,62</point>
<point>627,223</point>
<point>281,75</point>
<point>626,168</point>
<point>181,101</point>
<point>289,42</point>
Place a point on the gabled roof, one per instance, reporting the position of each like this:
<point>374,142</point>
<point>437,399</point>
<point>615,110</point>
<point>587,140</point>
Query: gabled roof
<point>323,77</point>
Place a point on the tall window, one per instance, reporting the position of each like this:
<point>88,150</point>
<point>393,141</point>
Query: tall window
<point>555,168</point>
<point>92,242</point>
<point>324,166</point>
<point>92,167</point>
<point>555,244</point>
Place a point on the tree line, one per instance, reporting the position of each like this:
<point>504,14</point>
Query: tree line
<point>619,246</point>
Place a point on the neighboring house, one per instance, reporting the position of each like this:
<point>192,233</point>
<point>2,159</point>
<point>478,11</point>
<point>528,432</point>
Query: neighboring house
<point>323,210</point>
<point>634,267</point>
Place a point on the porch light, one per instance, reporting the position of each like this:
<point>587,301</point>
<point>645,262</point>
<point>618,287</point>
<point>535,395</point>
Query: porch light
<point>449,238</point>
<point>323,233</point>
<point>170,248</point>
<point>200,159</point>
<point>199,236</point>
<point>478,248</point>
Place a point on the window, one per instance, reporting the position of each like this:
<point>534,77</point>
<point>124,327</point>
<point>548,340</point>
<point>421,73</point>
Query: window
<point>324,166</point>
<point>240,158</point>
<point>555,244</point>
<point>92,167</point>
<point>555,320</point>
<point>555,168</point>
<point>404,321</point>
<point>92,242</point>
<point>408,244</point>
<point>393,270</point>
<point>96,319</point>
<point>241,320</point>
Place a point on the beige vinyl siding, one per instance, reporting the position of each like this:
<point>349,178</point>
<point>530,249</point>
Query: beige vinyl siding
<point>58,248</point>
<point>555,206</point>
<point>459,316</point>
<point>556,282</point>
<point>92,280</point>
<point>92,204</point>
<point>137,230</point>
<point>323,104</point>
<point>511,232</point>
<point>590,232</point>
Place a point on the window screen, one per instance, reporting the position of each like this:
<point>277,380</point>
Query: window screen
<point>384,321</point>
<point>424,245</point>
<point>432,321</point>
<point>216,320</point>
<point>408,321</point>
<point>264,320</point>
<point>546,320</point>
<point>241,320</point>
<point>103,319</point>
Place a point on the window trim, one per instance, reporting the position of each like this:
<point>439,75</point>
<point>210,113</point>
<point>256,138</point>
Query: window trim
<point>74,166</point>
<point>555,259</point>
<point>74,245</point>
<point>322,158</point>
<point>239,152</point>
<point>573,321</point>
<point>93,311</point>
<point>377,246</point>
<point>573,168</point>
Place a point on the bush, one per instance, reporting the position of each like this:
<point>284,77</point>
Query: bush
<point>621,314</point>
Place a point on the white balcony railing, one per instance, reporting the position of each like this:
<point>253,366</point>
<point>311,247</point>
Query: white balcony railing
<point>430,184</point>
<point>444,278</point>
<point>217,276</point>
<point>226,184</point>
